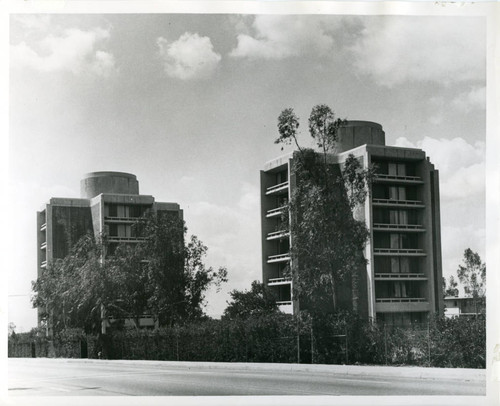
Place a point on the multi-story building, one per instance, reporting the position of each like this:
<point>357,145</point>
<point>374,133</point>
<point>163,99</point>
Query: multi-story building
<point>110,204</point>
<point>402,280</point>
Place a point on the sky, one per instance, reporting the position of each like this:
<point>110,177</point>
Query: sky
<point>189,104</point>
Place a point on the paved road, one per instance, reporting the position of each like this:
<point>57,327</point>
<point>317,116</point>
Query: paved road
<point>52,377</point>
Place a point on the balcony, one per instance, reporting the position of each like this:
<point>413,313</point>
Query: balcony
<point>278,258</point>
<point>285,306</point>
<point>280,188</point>
<point>387,276</point>
<point>115,238</point>
<point>417,252</point>
<point>276,235</point>
<point>415,204</point>
<point>43,245</point>
<point>43,264</point>
<point>129,220</point>
<point>43,227</point>
<point>401,304</point>
<point>284,280</point>
<point>398,227</point>
<point>402,300</point>
<point>276,212</point>
<point>409,180</point>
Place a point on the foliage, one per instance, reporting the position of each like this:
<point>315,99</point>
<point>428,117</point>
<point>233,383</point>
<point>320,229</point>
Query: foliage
<point>162,275</point>
<point>288,124</point>
<point>458,342</point>
<point>450,288</point>
<point>323,127</point>
<point>341,338</point>
<point>327,239</point>
<point>473,274</point>
<point>244,304</point>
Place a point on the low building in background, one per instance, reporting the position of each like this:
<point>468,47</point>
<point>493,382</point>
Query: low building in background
<point>456,306</point>
<point>110,204</point>
<point>401,284</point>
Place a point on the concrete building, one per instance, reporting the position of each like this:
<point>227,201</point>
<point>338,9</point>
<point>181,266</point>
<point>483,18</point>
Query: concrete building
<point>402,280</point>
<point>110,203</point>
<point>456,306</point>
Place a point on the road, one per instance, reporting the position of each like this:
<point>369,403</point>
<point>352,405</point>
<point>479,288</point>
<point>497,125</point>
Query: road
<point>53,377</point>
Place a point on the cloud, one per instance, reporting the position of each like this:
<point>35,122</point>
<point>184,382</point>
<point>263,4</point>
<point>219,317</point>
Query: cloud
<point>414,49</point>
<point>190,57</point>
<point>36,22</point>
<point>75,50</point>
<point>475,99</point>
<point>278,37</point>
<point>461,165</point>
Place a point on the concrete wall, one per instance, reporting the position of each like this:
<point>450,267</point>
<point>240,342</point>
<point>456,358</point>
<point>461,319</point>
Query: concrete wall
<point>95,183</point>
<point>357,133</point>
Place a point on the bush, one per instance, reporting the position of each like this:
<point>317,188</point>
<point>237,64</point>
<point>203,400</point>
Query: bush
<point>337,339</point>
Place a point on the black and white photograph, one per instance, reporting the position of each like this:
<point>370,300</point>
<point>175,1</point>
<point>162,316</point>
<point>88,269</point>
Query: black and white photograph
<point>272,204</point>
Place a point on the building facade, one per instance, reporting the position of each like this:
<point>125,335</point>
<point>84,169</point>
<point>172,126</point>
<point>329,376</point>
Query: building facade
<point>456,306</point>
<point>401,284</point>
<point>110,204</point>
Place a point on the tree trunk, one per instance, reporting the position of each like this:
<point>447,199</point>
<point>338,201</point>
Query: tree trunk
<point>355,292</point>
<point>334,295</point>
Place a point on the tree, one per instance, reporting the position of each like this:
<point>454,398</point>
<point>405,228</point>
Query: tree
<point>12,329</point>
<point>162,275</point>
<point>328,240</point>
<point>259,300</point>
<point>450,288</point>
<point>472,275</point>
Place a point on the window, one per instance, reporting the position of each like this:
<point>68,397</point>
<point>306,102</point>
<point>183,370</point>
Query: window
<point>397,169</point>
<point>398,217</point>
<point>111,210</point>
<point>400,265</point>
<point>403,241</point>
<point>281,177</point>
<point>397,193</point>
<point>123,211</point>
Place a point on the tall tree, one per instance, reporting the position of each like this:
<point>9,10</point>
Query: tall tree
<point>450,288</point>
<point>327,240</point>
<point>472,275</point>
<point>163,276</point>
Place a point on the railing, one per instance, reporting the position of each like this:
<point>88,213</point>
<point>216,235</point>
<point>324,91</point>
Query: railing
<point>384,226</point>
<point>278,258</point>
<point>279,280</point>
<point>284,302</point>
<point>123,219</point>
<point>43,227</point>
<point>278,234</point>
<point>398,251</point>
<point>275,212</point>
<point>44,264</point>
<point>402,300</point>
<point>400,275</point>
<point>115,238</point>
<point>386,176</point>
<point>43,245</point>
<point>406,203</point>
<point>276,188</point>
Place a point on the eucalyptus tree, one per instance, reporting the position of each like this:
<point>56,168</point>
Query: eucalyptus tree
<point>327,239</point>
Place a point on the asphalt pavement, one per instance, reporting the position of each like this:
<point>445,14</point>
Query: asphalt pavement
<point>66,377</point>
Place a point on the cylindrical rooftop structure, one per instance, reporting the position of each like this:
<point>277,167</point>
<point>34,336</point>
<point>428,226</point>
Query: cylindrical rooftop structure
<point>356,133</point>
<point>95,183</point>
